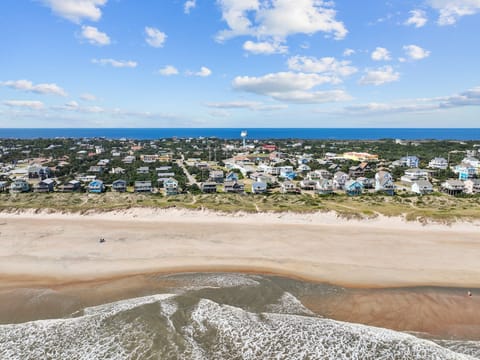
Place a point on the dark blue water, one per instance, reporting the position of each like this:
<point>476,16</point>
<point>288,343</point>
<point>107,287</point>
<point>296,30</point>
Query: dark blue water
<point>259,133</point>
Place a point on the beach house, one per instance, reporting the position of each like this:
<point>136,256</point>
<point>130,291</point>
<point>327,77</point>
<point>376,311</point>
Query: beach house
<point>46,185</point>
<point>208,187</point>
<point>472,186</point>
<point>384,183</point>
<point>438,163</point>
<point>71,186</point>
<point>142,186</point>
<point>465,171</point>
<point>324,187</point>
<point>288,187</point>
<point>453,187</point>
<point>19,186</point>
<point>119,185</point>
<point>422,187</point>
<point>410,161</point>
<point>171,186</point>
<point>339,180</point>
<point>233,187</point>
<point>259,187</point>
<point>216,176</point>
<point>96,187</point>
<point>353,188</point>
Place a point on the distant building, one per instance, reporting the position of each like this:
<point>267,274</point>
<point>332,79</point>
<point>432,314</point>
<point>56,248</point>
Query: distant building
<point>71,186</point>
<point>339,179</point>
<point>233,187</point>
<point>216,176</point>
<point>438,163</point>
<point>360,156</point>
<point>410,161</point>
<point>324,186</point>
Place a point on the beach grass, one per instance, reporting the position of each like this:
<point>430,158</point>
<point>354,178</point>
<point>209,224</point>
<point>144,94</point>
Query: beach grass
<point>438,207</point>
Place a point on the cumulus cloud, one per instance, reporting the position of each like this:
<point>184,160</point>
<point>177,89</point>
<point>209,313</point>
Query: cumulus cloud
<point>291,87</point>
<point>250,105</point>
<point>452,10</point>
<point>418,18</point>
<point>348,52</point>
<point>30,104</point>
<point>168,70</point>
<point>189,5</point>
<point>379,76</point>
<point>116,63</point>
<point>264,47</point>
<point>330,66</point>
<point>94,36</point>
<point>278,19</point>
<point>26,85</point>
<point>204,72</point>
<point>155,37</point>
<point>381,54</point>
<point>415,52</point>
<point>76,10</point>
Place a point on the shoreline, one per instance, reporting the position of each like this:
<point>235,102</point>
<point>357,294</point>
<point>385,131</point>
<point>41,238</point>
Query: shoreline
<point>61,248</point>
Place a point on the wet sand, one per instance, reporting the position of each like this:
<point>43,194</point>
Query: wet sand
<point>52,264</point>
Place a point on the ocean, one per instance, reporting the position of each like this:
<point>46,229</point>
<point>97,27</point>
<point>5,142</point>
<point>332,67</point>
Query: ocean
<point>254,133</point>
<point>218,316</point>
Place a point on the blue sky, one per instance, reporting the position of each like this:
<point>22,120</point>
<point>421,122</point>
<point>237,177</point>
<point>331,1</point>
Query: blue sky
<point>239,63</point>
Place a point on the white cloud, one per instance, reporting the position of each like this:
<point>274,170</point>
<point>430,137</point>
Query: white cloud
<point>290,87</point>
<point>379,76</point>
<point>418,18</point>
<point>381,54</point>
<point>88,97</point>
<point>76,10</point>
<point>278,19</point>
<point>116,63</point>
<point>415,52</point>
<point>327,65</point>
<point>264,47</point>
<point>155,37</point>
<point>467,98</point>
<point>168,70</point>
<point>94,36</point>
<point>204,72</point>
<point>189,5</point>
<point>452,10</point>
<point>30,104</point>
<point>26,85</point>
<point>348,52</point>
<point>250,105</point>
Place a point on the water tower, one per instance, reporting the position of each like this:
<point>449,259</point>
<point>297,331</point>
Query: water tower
<point>244,134</point>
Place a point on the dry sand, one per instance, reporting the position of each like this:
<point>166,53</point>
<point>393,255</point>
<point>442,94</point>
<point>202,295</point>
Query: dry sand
<point>37,249</point>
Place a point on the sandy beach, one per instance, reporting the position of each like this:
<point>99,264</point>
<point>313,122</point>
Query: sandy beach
<point>52,264</point>
<point>40,248</point>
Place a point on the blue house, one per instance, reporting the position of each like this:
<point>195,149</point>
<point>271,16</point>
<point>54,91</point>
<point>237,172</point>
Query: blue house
<point>231,176</point>
<point>353,187</point>
<point>96,187</point>
<point>465,171</point>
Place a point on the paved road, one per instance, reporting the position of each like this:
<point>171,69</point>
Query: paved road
<point>191,179</point>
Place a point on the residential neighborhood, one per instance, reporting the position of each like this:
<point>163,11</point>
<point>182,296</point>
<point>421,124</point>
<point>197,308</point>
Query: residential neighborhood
<point>210,165</point>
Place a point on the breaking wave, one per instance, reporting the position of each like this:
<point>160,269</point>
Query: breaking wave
<point>186,326</point>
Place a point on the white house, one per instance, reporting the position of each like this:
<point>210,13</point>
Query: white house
<point>472,186</point>
<point>422,187</point>
<point>438,163</point>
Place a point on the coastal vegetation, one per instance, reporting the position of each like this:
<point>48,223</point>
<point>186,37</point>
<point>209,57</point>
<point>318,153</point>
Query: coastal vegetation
<point>435,207</point>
